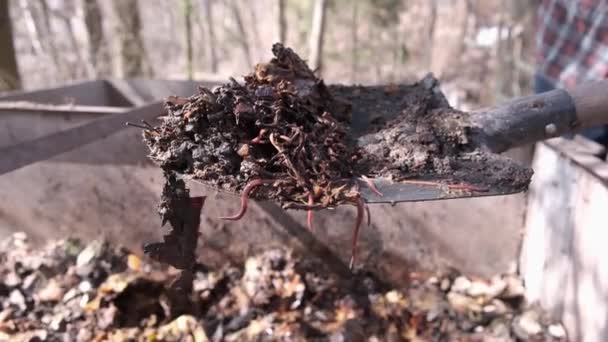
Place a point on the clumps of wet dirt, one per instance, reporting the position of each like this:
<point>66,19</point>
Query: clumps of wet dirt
<point>69,290</point>
<point>282,127</point>
<point>410,132</point>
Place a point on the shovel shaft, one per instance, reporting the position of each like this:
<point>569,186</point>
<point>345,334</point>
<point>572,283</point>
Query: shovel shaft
<point>539,117</point>
<point>591,102</point>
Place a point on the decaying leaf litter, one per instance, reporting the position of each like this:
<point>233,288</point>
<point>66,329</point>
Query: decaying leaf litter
<point>67,290</point>
<point>284,135</point>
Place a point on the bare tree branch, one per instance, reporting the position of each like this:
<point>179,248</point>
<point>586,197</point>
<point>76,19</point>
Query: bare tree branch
<point>251,7</point>
<point>32,28</point>
<point>132,48</point>
<point>282,21</point>
<point>98,53</point>
<point>9,73</point>
<point>431,32</point>
<point>67,14</point>
<point>355,42</point>
<point>188,28</point>
<point>243,41</point>
<point>213,62</point>
<point>317,35</point>
<point>49,37</point>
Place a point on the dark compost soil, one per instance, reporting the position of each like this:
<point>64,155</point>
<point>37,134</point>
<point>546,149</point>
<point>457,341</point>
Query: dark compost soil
<point>410,132</point>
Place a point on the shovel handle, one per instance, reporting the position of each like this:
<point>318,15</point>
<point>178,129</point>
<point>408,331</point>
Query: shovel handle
<point>591,103</point>
<point>539,117</point>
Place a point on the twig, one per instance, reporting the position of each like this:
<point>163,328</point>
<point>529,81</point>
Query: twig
<point>360,214</point>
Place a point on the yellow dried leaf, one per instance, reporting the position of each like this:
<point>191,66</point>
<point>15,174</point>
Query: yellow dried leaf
<point>344,313</point>
<point>93,305</point>
<point>134,262</point>
<point>115,283</point>
<point>393,297</point>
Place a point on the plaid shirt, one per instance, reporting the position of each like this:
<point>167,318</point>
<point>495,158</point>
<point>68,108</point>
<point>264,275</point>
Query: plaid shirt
<point>572,41</point>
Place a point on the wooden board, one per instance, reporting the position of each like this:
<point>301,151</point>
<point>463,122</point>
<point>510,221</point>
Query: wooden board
<point>564,255</point>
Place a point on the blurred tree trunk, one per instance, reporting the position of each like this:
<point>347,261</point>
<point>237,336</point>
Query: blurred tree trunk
<point>464,31</point>
<point>236,13</point>
<point>41,34</point>
<point>431,32</point>
<point>355,42</point>
<point>501,76</point>
<point>523,14</point>
<point>316,36</point>
<point>49,38</point>
<point>211,35</point>
<point>374,36</point>
<point>84,66</point>
<point>188,28</point>
<point>251,7</point>
<point>98,54</point>
<point>32,26</point>
<point>129,34</point>
<point>282,21</point>
<point>9,73</point>
<point>395,32</point>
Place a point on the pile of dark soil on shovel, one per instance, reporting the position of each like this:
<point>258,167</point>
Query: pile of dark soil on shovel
<point>304,144</point>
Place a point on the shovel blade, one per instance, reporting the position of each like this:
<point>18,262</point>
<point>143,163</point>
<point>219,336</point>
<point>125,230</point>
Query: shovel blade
<point>417,191</point>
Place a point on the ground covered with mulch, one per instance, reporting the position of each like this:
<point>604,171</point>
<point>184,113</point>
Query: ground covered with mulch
<point>71,291</point>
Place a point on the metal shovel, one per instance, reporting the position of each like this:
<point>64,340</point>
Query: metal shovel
<point>518,122</point>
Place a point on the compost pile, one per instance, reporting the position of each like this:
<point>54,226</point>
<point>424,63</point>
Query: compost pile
<point>306,145</point>
<point>71,291</point>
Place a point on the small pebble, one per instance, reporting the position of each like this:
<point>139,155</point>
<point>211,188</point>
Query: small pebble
<point>461,285</point>
<point>462,303</point>
<point>84,300</point>
<point>30,282</point>
<point>85,286</point>
<point>71,294</point>
<point>514,288</point>
<point>86,256</point>
<point>58,323</point>
<point>432,315</point>
<point>12,280</point>
<point>557,331</point>
<point>5,314</point>
<point>445,284</point>
<point>478,289</point>
<point>16,298</point>
<point>526,325</point>
<point>52,292</point>
<point>19,239</point>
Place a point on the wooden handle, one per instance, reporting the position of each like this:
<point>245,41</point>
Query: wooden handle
<point>543,116</point>
<point>524,120</point>
<point>591,102</point>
